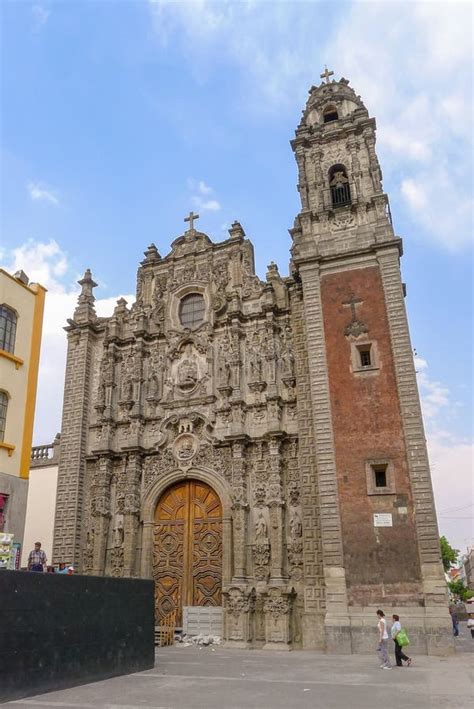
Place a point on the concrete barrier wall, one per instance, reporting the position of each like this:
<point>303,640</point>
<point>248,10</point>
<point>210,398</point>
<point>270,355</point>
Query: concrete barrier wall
<point>58,631</point>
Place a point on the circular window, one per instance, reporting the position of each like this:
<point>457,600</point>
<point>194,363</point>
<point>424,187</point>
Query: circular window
<point>191,310</point>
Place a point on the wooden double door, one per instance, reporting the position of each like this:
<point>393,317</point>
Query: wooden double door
<point>187,553</point>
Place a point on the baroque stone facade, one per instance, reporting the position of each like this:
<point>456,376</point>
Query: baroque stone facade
<point>293,398</point>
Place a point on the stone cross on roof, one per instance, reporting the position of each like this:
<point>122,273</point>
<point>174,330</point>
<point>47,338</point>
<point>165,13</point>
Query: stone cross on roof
<point>326,74</point>
<point>191,218</point>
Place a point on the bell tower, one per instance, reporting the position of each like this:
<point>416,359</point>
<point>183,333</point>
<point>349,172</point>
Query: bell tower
<point>379,534</point>
<point>340,180</point>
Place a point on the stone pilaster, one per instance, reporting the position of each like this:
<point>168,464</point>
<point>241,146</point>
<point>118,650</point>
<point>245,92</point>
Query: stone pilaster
<point>275,504</point>
<point>74,429</point>
<point>337,619</point>
<point>240,511</point>
<point>101,513</point>
<point>314,586</point>
<point>131,510</point>
<point>277,608</point>
<point>438,626</point>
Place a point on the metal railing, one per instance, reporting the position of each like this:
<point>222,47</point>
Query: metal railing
<point>341,195</point>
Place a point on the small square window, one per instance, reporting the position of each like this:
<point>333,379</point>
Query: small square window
<point>364,357</point>
<point>380,477</point>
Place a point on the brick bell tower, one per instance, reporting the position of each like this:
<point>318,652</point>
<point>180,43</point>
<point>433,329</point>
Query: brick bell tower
<point>379,534</point>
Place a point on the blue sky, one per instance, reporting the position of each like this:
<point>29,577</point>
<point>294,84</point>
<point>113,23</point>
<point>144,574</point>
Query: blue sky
<point>120,117</point>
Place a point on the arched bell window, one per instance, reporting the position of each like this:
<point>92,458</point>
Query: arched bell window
<point>7,329</point>
<point>330,114</point>
<point>339,185</point>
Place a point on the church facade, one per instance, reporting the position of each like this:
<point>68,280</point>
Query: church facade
<point>259,445</point>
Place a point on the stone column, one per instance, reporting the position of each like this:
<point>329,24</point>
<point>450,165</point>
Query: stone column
<point>275,504</point>
<point>240,511</point>
<point>131,510</point>
<point>101,513</point>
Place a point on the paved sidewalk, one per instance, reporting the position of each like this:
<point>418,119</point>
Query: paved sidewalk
<point>257,679</point>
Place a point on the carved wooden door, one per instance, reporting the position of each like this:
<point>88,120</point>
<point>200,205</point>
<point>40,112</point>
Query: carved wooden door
<point>187,555</point>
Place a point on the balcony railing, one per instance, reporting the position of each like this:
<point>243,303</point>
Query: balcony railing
<point>45,455</point>
<point>341,195</point>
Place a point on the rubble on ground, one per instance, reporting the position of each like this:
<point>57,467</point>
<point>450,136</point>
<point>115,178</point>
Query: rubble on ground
<point>184,640</point>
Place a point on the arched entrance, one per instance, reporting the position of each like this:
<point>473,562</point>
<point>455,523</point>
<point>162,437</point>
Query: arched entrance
<point>187,548</point>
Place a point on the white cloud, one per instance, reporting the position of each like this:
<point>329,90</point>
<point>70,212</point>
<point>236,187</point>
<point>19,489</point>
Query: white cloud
<point>451,459</point>
<point>422,97</point>
<point>46,263</point>
<point>39,193</point>
<point>415,194</point>
<point>202,196</point>
<point>40,16</point>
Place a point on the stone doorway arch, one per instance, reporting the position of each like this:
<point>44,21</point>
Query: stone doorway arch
<point>186,543</point>
<point>187,548</point>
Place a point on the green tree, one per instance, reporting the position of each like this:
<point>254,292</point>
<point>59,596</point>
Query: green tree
<point>448,554</point>
<point>458,589</point>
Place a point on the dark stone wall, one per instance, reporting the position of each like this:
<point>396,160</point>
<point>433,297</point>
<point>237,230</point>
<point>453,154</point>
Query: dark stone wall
<point>58,631</point>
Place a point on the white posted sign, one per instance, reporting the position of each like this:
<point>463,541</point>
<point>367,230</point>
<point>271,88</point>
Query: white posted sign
<point>383,519</point>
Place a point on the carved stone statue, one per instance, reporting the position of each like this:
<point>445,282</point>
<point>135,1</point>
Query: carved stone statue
<point>260,526</point>
<point>288,363</point>
<point>188,370</point>
<point>255,366</point>
<point>118,532</point>
<point>296,528</point>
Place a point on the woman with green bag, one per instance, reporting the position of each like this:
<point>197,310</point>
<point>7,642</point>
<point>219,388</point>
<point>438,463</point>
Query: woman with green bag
<point>400,638</point>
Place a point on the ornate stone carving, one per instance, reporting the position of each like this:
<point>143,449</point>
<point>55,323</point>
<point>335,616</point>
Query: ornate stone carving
<point>296,527</point>
<point>185,448</point>
<point>156,466</point>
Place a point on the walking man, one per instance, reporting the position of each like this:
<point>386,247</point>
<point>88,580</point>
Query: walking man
<point>37,560</point>
<point>383,639</point>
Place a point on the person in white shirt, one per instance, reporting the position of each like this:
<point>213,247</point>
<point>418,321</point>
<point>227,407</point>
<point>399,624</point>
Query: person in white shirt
<point>470,624</point>
<point>383,638</point>
<point>399,654</point>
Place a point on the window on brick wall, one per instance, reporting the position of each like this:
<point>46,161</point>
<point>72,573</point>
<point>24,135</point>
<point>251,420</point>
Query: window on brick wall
<point>364,356</point>
<point>380,477</point>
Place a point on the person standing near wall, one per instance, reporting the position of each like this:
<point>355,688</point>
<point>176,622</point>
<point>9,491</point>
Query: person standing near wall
<point>455,621</point>
<point>470,624</point>
<point>383,638</point>
<point>37,560</point>
<point>394,631</point>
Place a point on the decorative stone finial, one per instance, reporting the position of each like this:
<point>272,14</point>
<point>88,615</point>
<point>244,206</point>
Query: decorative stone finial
<point>121,307</point>
<point>236,231</point>
<point>272,271</point>
<point>151,254</point>
<point>87,285</point>
<point>85,310</point>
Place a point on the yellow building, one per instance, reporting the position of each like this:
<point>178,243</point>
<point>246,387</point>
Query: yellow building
<point>21,322</point>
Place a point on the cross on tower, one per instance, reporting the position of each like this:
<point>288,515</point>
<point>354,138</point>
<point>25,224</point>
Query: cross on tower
<point>352,302</point>
<point>326,74</point>
<point>191,218</point>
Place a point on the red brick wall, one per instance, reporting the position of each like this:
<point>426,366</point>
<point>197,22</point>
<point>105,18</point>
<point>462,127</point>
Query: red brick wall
<point>367,425</point>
